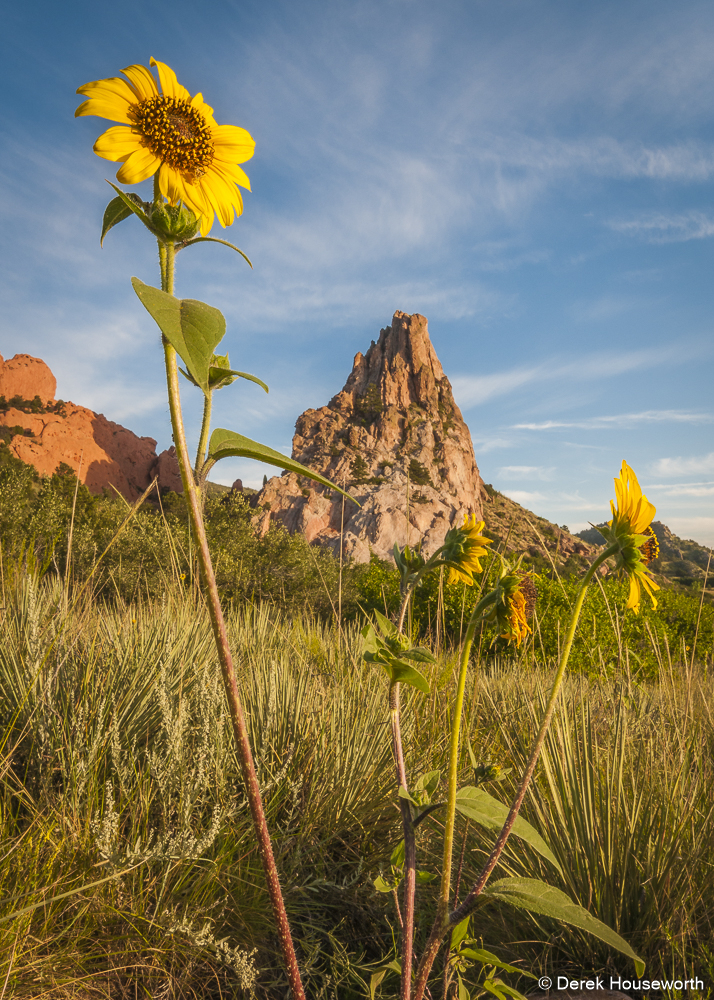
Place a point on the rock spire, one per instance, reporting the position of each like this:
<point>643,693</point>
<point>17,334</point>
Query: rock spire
<point>395,437</point>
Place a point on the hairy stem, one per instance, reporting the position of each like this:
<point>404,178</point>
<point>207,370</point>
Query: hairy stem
<point>407,921</point>
<point>240,731</point>
<point>205,428</point>
<point>444,923</point>
<point>450,819</point>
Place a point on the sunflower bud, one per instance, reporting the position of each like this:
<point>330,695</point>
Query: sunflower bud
<point>174,222</point>
<point>486,771</point>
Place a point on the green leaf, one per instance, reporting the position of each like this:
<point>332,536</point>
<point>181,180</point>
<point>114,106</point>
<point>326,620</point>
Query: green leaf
<point>397,858</point>
<point>116,211</point>
<point>192,328</point>
<point>229,444</point>
<point>419,655</point>
<point>424,877</point>
<point>463,991</point>
<point>488,958</point>
<point>459,933</point>
<point>500,989</point>
<point>375,981</point>
<point>218,377</point>
<point>370,643</point>
<point>478,805</point>
<point>212,239</point>
<point>428,782</point>
<point>402,672</point>
<point>387,627</point>
<point>537,897</point>
<point>221,375</point>
<point>134,204</point>
<point>404,794</point>
<point>381,885</point>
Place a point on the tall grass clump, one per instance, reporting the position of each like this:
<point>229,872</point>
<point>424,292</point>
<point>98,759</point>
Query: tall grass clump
<point>129,862</point>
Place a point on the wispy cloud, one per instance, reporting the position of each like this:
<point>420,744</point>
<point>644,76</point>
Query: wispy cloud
<point>525,497</point>
<point>603,156</point>
<point>697,465</point>
<point>661,228</point>
<point>683,489</point>
<point>473,390</point>
<point>622,420</point>
<point>520,472</point>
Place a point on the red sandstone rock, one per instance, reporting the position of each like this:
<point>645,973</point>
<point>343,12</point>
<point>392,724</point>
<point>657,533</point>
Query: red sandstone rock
<point>104,455</point>
<point>396,409</point>
<point>27,377</point>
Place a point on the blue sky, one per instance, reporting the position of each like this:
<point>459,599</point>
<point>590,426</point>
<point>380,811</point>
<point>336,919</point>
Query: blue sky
<point>534,176</point>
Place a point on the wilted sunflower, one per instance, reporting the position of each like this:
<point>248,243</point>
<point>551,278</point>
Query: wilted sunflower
<point>464,547</point>
<point>630,526</point>
<point>169,132</point>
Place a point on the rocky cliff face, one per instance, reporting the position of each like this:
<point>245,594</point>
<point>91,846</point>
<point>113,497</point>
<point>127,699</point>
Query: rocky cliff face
<point>45,432</point>
<point>396,439</point>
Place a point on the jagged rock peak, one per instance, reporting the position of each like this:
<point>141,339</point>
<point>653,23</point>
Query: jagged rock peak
<point>393,432</point>
<point>403,365</point>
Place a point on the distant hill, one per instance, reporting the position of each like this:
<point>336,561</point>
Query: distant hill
<point>544,544</point>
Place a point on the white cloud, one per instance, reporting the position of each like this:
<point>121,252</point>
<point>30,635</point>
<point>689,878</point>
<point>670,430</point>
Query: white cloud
<point>524,496</point>
<point>520,472</point>
<point>684,489</point>
<point>700,464</point>
<point>473,390</point>
<point>661,228</point>
<point>623,420</point>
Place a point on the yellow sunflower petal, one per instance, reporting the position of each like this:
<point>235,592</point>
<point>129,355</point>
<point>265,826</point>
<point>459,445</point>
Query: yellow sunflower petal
<point>220,196</point>
<point>117,143</point>
<point>172,187</point>
<point>633,600</point>
<point>206,110</point>
<point>231,174</point>
<point>207,222</point>
<point>103,109</point>
<point>143,82</point>
<point>112,89</point>
<point>643,515</point>
<point>233,144</point>
<point>142,163</point>
<point>170,87</point>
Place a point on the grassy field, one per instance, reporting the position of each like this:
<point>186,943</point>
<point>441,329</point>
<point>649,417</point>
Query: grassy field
<point>128,860</point>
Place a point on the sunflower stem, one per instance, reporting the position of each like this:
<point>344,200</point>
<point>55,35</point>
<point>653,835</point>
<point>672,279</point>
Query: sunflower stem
<point>205,428</point>
<point>450,820</point>
<point>444,921</point>
<point>235,707</point>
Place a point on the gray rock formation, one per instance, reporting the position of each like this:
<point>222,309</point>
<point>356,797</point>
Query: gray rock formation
<point>396,439</point>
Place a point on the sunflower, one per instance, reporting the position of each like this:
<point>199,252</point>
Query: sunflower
<point>516,625</point>
<point>166,131</point>
<point>515,606</point>
<point>630,527</point>
<point>463,548</point>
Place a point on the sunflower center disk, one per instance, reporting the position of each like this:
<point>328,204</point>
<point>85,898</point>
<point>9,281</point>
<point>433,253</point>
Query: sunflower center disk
<point>175,132</point>
<point>650,550</point>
